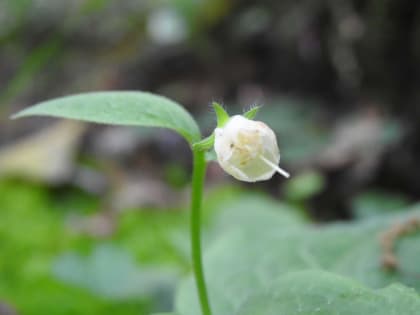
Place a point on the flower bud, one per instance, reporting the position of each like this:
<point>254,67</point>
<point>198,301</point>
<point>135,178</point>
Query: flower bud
<point>247,149</point>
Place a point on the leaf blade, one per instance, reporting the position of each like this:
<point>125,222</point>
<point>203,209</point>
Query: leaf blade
<point>129,108</point>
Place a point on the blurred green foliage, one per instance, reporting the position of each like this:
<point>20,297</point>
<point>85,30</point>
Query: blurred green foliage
<point>374,203</point>
<point>304,186</point>
<point>111,273</point>
<point>258,264</point>
<point>40,252</point>
<point>32,234</point>
<point>34,62</point>
<point>48,266</point>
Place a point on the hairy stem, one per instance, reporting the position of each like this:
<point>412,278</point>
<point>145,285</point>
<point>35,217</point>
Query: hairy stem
<point>199,172</point>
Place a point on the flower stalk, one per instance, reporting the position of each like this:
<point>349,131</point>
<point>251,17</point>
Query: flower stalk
<point>198,175</point>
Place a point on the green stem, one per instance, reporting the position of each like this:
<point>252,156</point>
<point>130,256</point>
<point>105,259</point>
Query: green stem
<point>199,172</point>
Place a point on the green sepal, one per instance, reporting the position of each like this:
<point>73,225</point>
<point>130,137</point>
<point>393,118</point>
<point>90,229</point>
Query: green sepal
<point>205,144</point>
<point>221,115</point>
<point>250,114</point>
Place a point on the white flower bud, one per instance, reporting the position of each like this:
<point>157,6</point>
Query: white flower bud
<point>247,149</point>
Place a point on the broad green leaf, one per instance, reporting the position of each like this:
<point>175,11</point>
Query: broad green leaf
<point>252,211</point>
<point>322,293</point>
<point>112,273</point>
<point>127,108</point>
<point>252,253</point>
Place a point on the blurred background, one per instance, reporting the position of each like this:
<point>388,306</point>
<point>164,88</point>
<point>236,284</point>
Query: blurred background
<point>93,219</point>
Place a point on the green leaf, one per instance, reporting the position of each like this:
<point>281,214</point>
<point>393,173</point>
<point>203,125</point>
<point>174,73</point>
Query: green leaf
<point>221,114</point>
<point>246,263</point>
<point>112,273</point>
<point>249,212</point>
<point>322,293</point>
<point>127,108</point>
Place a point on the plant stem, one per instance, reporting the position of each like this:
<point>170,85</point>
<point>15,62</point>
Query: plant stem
<point>199,172</point>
